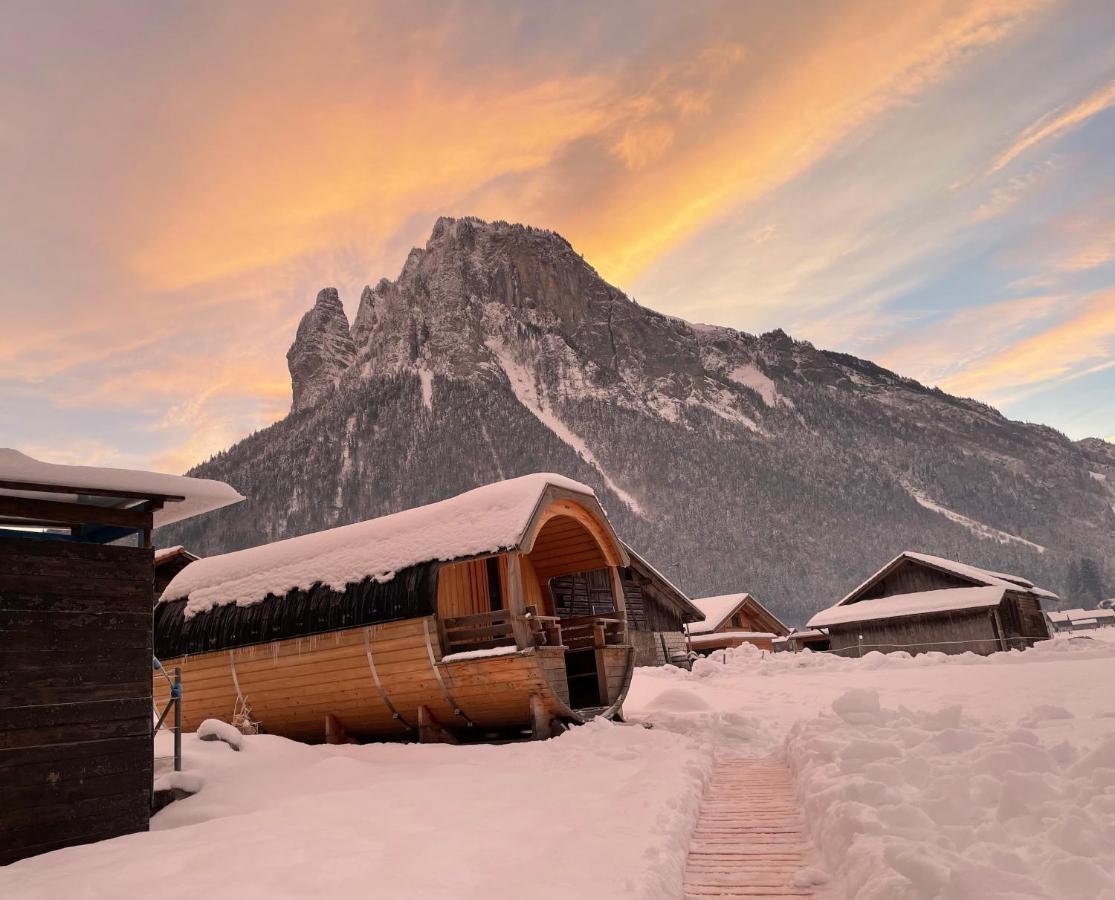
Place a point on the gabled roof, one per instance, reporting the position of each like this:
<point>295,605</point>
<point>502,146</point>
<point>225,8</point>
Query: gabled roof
<point>920,603</point>
<point>166,554</point>
<point>22,476</point>
<point>687,608</point>
<point>719,609</point>
<point>980,577</point>
<point>490,519</point>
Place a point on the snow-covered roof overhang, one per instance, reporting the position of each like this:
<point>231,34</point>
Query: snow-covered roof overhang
<point>166,554</point>
<point>494,518</point>
<point>181,497</point>
<point>973,573</point>
<point>717,611</point>
<point>899,605</point>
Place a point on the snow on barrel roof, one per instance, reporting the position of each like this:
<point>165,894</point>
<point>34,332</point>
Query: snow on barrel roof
<point>716,610</point>
<point>487,519</point>
<point>909,605</point>
<point>200,495</point>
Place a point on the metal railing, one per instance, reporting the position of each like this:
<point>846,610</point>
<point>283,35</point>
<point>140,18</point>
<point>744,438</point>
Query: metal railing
<point>175,703</point>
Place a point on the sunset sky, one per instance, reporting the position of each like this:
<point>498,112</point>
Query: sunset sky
<point>930,185</point>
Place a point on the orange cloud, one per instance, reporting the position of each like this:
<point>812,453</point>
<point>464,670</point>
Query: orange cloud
<point>1080,344</point>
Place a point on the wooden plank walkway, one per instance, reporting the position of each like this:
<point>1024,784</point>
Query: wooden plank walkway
<point>750,840</point>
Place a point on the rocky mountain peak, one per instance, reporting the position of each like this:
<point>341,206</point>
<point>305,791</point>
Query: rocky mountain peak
<point>738,462</point>
<point>322,351</point>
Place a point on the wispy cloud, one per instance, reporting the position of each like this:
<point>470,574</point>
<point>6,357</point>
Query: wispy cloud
<point>161,239</point>
<point>1056,124</point>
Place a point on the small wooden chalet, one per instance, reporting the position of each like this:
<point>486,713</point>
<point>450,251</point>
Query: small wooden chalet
<point>169,561</point>
<point>435,623</point>
<point>657,611</point>
<point>75,683</point>
<point>918,602</point>
<point>732,620</point>
<point>1081,619</point>
<point>815,639</point>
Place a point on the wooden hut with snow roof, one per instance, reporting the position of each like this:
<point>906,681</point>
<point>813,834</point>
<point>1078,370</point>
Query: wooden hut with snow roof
<point>76,751</point>
<point>169,561</point>
<point>657,610</point>
<point>435,623</point>
<point>732,620</point>
<point>918,603</point>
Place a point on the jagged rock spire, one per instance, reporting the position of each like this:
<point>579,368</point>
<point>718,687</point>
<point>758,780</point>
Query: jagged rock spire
<point>321,352</point>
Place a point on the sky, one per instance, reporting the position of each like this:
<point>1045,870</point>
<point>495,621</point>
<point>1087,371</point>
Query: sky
<point>928,185</point>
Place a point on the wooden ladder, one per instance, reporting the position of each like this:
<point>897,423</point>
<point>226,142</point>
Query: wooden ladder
<point>750,840</point>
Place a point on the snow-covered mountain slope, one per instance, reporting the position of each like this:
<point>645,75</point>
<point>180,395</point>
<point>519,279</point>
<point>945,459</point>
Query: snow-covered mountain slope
<point>736,462</point>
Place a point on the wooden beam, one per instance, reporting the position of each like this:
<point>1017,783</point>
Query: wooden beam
<point>61,513</point>
<point>86,491</point>
<point>430,731</point>
<point>335,731</point>
<point>515,603</point>
<point>539,719</point>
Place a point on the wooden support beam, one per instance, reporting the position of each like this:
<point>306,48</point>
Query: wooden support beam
<point>431,731</point>
<point>61,513</point>
<point>540,728</point>
<point>524,639</point>
<point>602,678</point>
<point>335,731</point>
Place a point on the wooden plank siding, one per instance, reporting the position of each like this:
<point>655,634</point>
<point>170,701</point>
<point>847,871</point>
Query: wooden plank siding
<point>649,617</point>
<point>75,693</point>
<point>292,685</point>
<point>960,631</point>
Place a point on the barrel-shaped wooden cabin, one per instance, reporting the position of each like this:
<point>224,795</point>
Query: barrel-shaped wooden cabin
<point>435,623</point>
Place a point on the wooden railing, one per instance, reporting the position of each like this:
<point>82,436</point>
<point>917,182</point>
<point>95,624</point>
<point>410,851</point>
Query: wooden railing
<point>502,628</point>
<point>587,632</point>
<point>481,631</point>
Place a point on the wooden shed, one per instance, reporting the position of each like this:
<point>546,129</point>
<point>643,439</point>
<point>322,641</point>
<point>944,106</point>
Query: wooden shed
<point>732,620</point>
<point>657,610</point>
<point>918,602</point>
<point>169,561</point>
<point>435,623</point>
<point>75,640</point>
<point>815,639</point>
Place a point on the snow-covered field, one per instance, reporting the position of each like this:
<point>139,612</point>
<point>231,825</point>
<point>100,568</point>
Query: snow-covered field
<point>947,777</point>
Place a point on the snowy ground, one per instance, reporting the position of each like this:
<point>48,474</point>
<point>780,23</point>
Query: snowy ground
<point>949,777</point>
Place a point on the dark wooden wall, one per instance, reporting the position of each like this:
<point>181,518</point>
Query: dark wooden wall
<point>587,593</point>
<point>1023,621</point>
<point>75,694</point>
<point>912,577</point>
<point>953,632</point>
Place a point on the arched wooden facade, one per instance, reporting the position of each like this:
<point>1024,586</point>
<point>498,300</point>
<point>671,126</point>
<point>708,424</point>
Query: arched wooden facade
<point>456,649</point>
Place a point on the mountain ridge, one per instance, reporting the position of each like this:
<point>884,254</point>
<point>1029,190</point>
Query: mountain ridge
<point>736,461</point>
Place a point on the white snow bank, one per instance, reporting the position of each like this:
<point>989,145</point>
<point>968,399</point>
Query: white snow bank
<point>189,782</point>
<point>1001,784</point>
<point>216,730</point>
<point>485,520</point>
<point>753,377</point>
<point>942,803</point>
<point>604,811</point>
<point>201,494</point>
<point>908,605</point>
